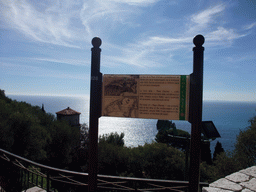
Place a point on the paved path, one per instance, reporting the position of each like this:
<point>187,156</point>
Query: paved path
<point>244,181</point>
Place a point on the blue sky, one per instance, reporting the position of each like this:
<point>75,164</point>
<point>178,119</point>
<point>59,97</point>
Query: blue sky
<point>46,45</point>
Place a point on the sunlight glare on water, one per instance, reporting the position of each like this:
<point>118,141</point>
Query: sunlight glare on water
<point>137,131</point>
<point>228,117</point>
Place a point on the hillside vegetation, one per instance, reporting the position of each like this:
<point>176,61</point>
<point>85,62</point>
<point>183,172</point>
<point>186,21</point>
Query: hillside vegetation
<point>30,132</point>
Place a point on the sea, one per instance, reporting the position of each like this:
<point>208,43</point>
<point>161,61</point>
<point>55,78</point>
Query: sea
<point>228,117</point>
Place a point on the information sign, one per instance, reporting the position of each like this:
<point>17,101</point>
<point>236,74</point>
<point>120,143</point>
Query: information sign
<point>146,96</point>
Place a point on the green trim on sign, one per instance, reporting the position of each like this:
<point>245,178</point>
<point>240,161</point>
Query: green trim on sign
<point>183,89</point>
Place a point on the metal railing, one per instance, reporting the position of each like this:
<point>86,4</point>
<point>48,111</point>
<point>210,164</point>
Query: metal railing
<point>18,173</point>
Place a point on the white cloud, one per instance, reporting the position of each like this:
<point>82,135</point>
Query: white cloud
<point>34,71</point>
<point>248,27</point>
<point>158,41</point>
<point>200,21</point>
<point>147,53</point>
<point>134,58</point>
<point>100,16</point>
<point>65,61</point>
<point>135,2</point>
<point>222,35</point>
<point>205,22</point>
<point>211,23</point>
<point>206,17</point>
<point>132,54</point>
<point>65,22</point>
<point>49,25</point>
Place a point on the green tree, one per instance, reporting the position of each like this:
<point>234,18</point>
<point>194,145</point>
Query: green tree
<point>84,135</point>
<point>159,161</point>
<point>245,147</point>
<point>169,134</point>
<point>112,138</point>
<point>206,152</point>
<point>64,139</point>
<point>29,132</point>
<point>155,160</point>
<point>226,163</point>
<point>218,150</point>
<point>208,173</point>
<point>113,158</point>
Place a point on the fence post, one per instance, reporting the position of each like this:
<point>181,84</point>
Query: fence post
<point>195,113</point>
<point>42,181</point>
<point>28,180</point>
<point>95,113</point>
<point>48,181</point>
<point>32,178</point>
<point>37,179</point>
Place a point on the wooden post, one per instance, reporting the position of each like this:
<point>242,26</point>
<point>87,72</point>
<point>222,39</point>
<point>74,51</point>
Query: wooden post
<point>95,113</point>
<point>195,113</point>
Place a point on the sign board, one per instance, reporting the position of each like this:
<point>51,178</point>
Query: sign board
<point>146,96</point>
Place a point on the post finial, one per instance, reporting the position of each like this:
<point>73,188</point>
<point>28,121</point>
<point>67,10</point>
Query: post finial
<point>96,42</point>
<point>198,40</point>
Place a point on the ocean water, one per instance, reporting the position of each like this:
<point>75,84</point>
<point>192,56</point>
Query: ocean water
<point>228,117</point>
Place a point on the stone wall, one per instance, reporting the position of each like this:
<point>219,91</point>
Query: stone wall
<point>244,181</point>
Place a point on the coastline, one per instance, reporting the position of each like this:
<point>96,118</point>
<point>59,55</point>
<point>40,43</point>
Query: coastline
<point>229,118</point>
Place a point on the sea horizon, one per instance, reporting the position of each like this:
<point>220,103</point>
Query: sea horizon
<point>88,97</point>
<point>229,118</point>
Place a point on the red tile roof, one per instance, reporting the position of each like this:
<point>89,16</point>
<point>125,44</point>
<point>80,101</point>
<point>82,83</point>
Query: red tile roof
<point>68,111</point>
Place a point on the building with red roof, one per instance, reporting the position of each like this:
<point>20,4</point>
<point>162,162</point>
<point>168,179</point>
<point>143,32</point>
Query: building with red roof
<point>69,115</point>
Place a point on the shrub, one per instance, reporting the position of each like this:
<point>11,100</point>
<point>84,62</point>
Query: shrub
<point>159,161</point>
<point>113,159</point>
<point>27,131</point>
<point>218,150</point>
<point>245,147</point>
<point>112,138</point>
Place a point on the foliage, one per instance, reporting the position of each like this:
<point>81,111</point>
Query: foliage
<point>159,161</point>
<point>28,131</point>
<point>206,152</point>
<point>245,148</point>
<point>156,160</point>
<point>64,139</point>
<point>226,163</point>
<point>218,150</point>
<point>208,173</point>
<point>169,136</point>
<point>167,133</point>
<point>84,135</point>
<point>112,138</point>
<point>113,159</point>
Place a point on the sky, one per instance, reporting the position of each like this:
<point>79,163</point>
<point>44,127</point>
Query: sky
<point>46,45</point>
